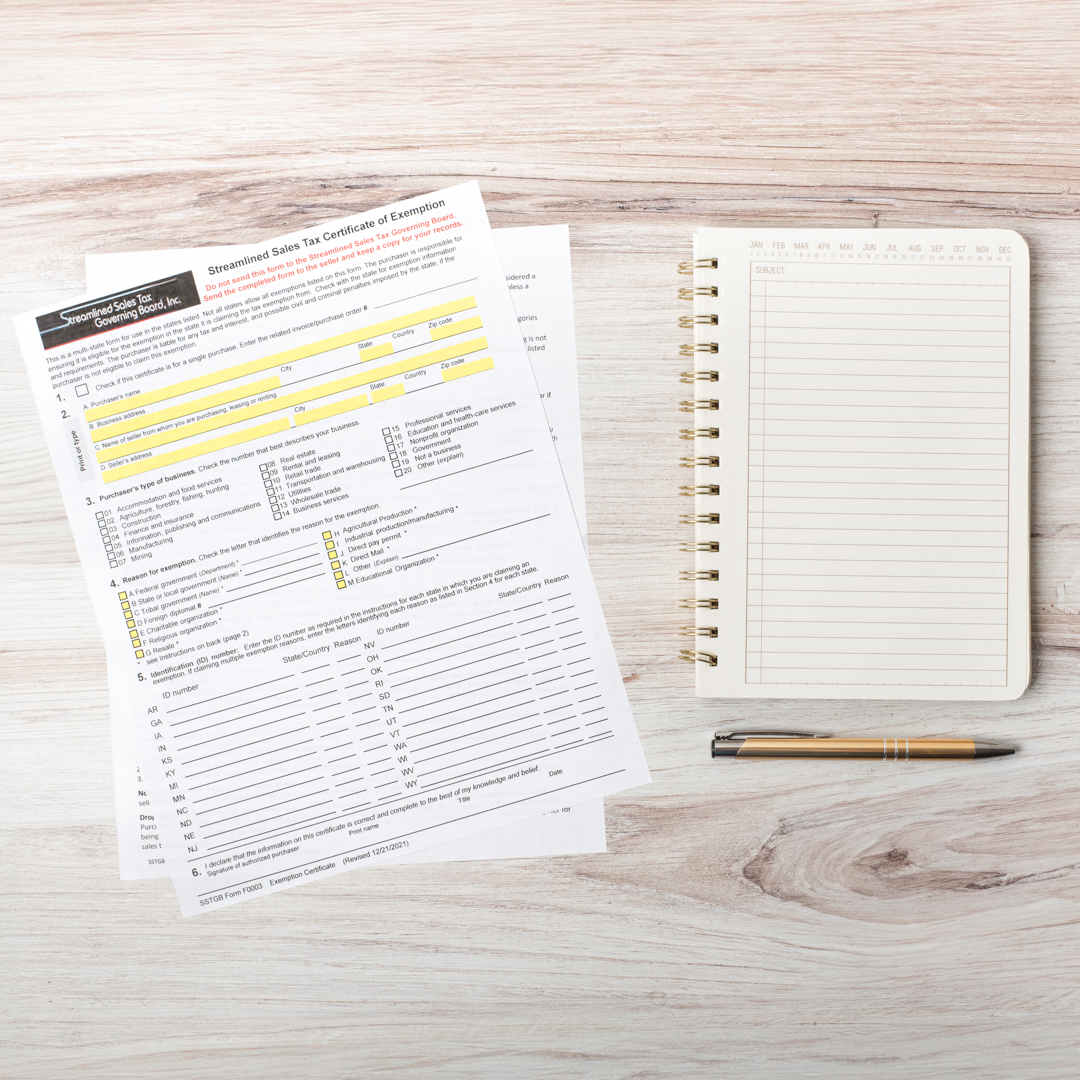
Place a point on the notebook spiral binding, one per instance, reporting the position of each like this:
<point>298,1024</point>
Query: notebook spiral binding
<point>699,657</point>
<point>705,458</point>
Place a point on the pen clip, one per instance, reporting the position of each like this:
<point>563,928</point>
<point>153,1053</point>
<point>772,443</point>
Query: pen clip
<point>771,734</point>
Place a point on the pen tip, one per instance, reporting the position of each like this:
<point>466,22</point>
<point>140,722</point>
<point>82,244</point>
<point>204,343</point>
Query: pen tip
<point>988,749</point>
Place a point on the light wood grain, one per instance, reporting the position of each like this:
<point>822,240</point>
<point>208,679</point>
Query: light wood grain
<point>832,920</point>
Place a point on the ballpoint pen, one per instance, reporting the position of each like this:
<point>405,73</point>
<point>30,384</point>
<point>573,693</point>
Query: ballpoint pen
<point>807,744</point>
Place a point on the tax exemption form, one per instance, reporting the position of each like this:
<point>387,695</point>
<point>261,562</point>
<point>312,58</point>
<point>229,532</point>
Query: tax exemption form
<point>536,265</point>
<point>319,483</point>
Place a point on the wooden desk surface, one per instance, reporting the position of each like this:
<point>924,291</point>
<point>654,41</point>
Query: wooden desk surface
<point>775,920</point>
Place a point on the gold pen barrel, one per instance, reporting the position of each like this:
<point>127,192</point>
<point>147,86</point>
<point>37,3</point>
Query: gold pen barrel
<point>871,749</point>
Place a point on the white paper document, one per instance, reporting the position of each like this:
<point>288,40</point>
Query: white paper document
<point>331,550</point>
<point>536,264</point>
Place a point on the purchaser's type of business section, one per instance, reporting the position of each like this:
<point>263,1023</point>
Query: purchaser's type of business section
<point>331,550</point>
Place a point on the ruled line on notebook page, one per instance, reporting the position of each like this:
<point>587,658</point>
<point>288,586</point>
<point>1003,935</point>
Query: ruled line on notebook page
<point>878,475</point>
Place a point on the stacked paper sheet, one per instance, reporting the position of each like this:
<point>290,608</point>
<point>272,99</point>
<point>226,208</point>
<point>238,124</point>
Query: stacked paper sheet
<point>328,495</point>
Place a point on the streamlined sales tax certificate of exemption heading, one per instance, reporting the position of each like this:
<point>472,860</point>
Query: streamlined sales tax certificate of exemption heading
<point>331,550</point>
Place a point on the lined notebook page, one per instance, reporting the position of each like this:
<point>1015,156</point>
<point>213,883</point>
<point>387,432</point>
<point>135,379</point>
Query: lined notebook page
<point>873,463</point>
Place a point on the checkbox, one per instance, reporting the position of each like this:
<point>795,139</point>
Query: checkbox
<point>335,565</point>
<point>277,517</point>
<point>127,603</point>
<point>138,654</point>
<point>341,584</point>
<point>327,535</point>
<point>332,554</point>
<point>329,544</point>
<point>131,623</point>
<point>398,472</point>
<point>339,574</point>
<point>123,596</point>
<point>133,633</point>
<point>137,643</point>
<point>81,389</point>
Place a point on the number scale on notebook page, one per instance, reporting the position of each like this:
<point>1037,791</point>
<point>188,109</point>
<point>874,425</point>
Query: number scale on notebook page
<point>874,455</point>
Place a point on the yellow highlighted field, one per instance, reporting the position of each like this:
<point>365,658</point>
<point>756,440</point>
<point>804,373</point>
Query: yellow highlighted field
<point>450,329</point>
<point>189,408</point>
<point>287,401</point>
<point>311,415</point>
<point>462,370</point>
<point>387,392</point>
<point>451,352</point>
<point>376,351</point>
<point>239,371</point>
<point>207,447</point>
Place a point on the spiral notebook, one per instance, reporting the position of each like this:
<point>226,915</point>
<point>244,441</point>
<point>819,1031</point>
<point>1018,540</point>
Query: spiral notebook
<point>860,465</point>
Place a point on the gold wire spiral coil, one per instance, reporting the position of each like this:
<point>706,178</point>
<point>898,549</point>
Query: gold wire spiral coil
<point>697,264</point>
<point>699,657</point>
<point>689,322</point>
<point>699,575</point>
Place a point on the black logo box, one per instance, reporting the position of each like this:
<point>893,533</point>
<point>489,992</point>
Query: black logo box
<point>119,309</point>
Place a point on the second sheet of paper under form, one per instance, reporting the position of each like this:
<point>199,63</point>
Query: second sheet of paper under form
<point>349,626</point>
